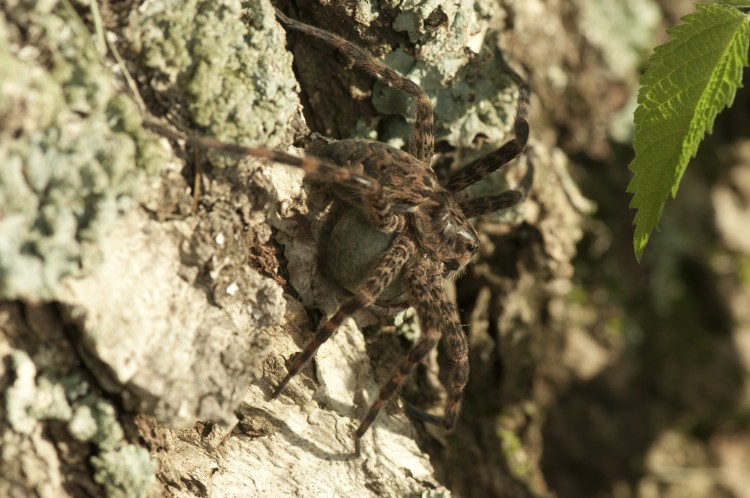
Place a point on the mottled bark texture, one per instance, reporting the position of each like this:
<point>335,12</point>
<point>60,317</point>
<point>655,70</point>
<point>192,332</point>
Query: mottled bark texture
<point>143,328</point>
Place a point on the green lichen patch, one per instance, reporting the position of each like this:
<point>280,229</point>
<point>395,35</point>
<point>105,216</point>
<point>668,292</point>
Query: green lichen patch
<point>27,401</point>
<point>518,460</point>
<point>33,398</point>
<point>459,65</point>
<point>224,63</point>
<point>124,473</point>
<point>72,150</point>
<point>95,420</point>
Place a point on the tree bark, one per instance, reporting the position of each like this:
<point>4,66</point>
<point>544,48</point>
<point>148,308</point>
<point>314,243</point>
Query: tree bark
<point>154,293</point>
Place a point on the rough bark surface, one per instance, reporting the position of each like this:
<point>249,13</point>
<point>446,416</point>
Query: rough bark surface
<point>143,327</point>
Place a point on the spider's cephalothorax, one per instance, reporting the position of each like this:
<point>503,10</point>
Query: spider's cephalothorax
<point>427,233</point>
<point>444,233</point>
<point>420,204</point>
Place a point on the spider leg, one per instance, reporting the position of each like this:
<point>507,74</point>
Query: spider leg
<point>416,413</point>
<point>386,271</point>
<point>435,315</point>
<point>491,203</point>
<point>377,207</point>
<point>480,168</point>
<point>503,200</point>
<point>457,351</point>
<point>421,143</point>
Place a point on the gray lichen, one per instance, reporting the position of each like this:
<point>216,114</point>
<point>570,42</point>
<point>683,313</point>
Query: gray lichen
<point>459,65</point>
<point>27,402</point>
<point>72,150</point>
<point>95,420</point>
<point>124,473</point>
<point>123,469</point>
<point>224,62</point>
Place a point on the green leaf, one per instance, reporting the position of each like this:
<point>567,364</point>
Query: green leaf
<point>689,80</point>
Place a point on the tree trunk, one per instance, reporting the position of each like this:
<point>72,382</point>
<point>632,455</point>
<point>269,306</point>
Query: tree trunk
<point>154,293</point>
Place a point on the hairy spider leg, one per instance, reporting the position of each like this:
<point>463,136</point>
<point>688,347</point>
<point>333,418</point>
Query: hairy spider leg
<point>491,203</point>
<point>503,200</point>
<point>436,314</point>
<point>386,272</point>
<point>457,351</point>
<point>421,143</point>
<point>480,168</point>
<point>377,208</point>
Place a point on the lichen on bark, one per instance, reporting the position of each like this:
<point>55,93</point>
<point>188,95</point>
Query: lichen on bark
<point>73,155</point>
<point>188,318</point>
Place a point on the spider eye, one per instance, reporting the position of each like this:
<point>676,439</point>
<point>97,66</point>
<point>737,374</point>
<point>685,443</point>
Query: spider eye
<point>469,240</point>
<point>452,265</point>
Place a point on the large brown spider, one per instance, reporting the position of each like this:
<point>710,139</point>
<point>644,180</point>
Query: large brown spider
<point>399,194</point>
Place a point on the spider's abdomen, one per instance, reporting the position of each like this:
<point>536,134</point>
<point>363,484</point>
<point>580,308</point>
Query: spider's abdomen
<point>354,250</point>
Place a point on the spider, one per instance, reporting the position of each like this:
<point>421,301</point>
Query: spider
<point>430,236</point>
